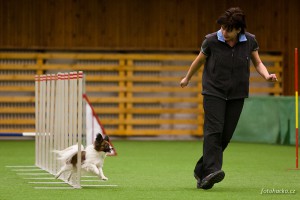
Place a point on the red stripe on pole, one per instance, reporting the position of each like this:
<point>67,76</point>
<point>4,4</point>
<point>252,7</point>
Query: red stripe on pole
<point>297,155</point>
<point>296,106</point>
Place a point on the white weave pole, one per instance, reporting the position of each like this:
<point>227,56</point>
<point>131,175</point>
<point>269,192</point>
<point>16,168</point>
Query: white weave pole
<point>56,123</point>
<point>61,111</point>
<point>74,103</point>
<point>79,126</point>
<point>39,125</point>
<point>47,139</point>
<point>37,130</point>
<point>59,116</point>
<point>75,123</point>
<point>84,126</point>
<point>43,119</point>
<point>66,110</point>
<point>51,132</point>
<point>71,110</point>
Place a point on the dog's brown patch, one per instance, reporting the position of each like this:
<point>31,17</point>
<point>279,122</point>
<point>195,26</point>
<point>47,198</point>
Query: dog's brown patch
<point>74,158</point>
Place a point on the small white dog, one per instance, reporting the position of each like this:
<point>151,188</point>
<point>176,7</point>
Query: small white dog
<point>92,158</point>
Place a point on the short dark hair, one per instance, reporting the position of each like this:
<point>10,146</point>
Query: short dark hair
<point>233,18</point>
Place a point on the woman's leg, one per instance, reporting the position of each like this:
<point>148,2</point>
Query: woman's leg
<point>232,116</point>
<point>211,161</point>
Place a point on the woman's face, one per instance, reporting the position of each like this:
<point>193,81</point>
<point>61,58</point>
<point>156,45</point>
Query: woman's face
<point>230,35</point>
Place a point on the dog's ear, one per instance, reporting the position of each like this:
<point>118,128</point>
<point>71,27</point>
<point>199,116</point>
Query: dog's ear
<point>99,138</point>
<point>106,138</point>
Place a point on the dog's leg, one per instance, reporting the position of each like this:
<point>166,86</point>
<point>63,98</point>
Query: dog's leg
<point>64,168</point>
<point>70,175</point>
<point>60,172</point>
<point>101,174</point>
<point>93,168</point>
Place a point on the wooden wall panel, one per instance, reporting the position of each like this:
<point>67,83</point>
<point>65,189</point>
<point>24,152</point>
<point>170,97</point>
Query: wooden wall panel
<point>124,25</point>
<point>133,94</point>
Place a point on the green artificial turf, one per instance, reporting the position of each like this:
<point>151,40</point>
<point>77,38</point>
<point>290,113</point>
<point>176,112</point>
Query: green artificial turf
<point>164,170</point>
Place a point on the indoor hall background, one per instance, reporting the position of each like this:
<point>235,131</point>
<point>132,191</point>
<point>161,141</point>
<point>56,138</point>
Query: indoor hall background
<point>134,25</point>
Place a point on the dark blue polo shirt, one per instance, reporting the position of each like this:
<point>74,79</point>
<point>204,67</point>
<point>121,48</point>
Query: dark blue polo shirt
<point>226,70</point>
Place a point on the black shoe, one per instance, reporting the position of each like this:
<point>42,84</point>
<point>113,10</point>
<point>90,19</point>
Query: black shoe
<point>209,181</point>
<point>197,177</point>
<point>198,180</point>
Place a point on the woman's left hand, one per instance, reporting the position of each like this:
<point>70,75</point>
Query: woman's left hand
<point>272,78</point>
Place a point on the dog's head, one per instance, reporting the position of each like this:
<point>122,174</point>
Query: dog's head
<point>102,144</point>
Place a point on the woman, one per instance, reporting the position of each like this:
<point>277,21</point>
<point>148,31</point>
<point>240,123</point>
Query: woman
<point>226,55</point>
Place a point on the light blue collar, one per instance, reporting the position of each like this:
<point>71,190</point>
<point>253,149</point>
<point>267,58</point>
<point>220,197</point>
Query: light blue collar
<point>242,37</point>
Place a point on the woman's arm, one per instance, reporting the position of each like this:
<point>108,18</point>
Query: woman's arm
<point>261,68</point>
<point>197,63</point>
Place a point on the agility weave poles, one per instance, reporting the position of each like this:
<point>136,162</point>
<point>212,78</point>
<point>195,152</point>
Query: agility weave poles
<point>296,108</point>
<point>60,119</point>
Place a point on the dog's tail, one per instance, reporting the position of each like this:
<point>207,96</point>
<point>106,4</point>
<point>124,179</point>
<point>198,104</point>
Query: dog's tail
<point>67,154</point>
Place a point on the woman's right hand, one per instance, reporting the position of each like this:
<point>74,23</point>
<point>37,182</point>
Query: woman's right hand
<point>184,82</point>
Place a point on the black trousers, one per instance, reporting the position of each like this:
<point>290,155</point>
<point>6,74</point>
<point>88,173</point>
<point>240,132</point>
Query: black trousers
<point>220,120</point>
